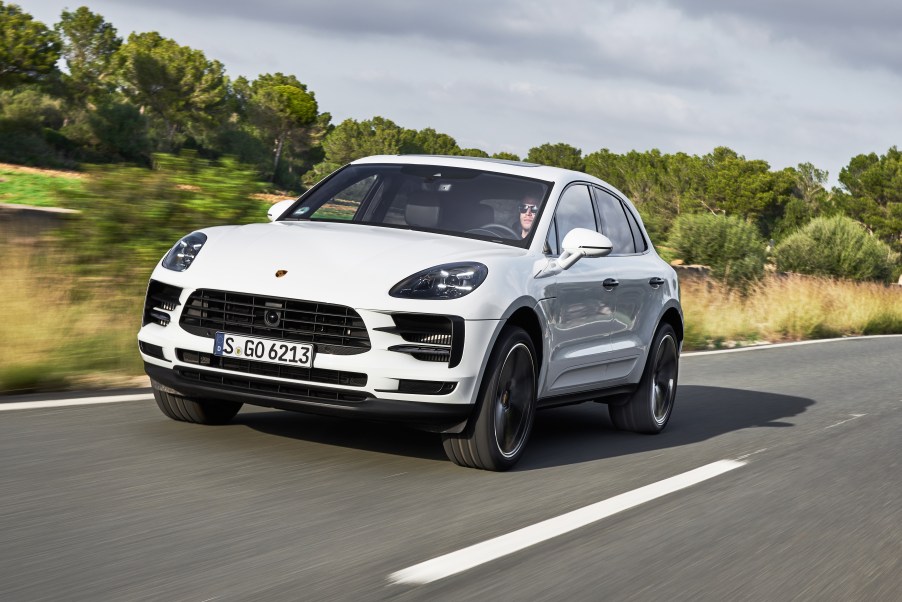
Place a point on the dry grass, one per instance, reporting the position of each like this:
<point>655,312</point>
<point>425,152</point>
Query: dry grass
<point>43,171</point>
<point>58,330</point>
<point>787,308</point>
<point>273,198</point>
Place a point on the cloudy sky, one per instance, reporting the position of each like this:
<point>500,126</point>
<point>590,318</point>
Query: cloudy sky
<point>787,81</point>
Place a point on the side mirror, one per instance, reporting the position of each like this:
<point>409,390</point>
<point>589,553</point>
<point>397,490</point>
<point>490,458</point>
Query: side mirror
<point>582,242</point>
<point>276,211</point>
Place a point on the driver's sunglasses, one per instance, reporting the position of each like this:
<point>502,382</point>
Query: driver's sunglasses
<point>529,208</point>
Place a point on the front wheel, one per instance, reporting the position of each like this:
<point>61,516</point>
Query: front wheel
<point>649,407</point>
<point>496,436</point>
<point>183,409</point>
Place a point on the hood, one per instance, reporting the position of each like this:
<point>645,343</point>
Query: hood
<point>349,264</point>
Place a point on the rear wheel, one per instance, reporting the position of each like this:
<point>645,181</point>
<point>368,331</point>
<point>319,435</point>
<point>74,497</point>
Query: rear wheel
<point>183,409</point>
<point>496,436</point>
<point>650,406</point>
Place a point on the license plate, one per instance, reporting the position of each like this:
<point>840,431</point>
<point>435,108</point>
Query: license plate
<point>263,350</point>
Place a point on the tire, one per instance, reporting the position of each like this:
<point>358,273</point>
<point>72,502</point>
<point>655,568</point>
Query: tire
<point>199,412</point>
<point>496,435</point>
<point>649,408</point>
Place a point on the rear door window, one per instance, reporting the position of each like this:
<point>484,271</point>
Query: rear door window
<point>638,239</point>
<point>614,224</point>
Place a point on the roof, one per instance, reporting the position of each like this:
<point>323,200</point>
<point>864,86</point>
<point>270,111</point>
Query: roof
<point>519,168</point>
<point>546,173</point>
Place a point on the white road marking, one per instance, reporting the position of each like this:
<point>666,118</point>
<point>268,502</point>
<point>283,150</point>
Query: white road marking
<point>853,417</point>
<point>757,451</point>
<point>83,401</point>
<point>492,549</point>
<point>778,345</point>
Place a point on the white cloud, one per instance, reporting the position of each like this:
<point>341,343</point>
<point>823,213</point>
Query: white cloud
<point>778,81</point>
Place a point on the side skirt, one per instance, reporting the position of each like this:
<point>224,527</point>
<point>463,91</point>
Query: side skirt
<point>613,395</point>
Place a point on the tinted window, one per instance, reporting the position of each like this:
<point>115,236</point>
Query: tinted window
<point>344,204</point>
<point>574,211</point>
<point>475,203</point>
<point>641,245</point>
<point>614,224</point>
<point>551,246</point>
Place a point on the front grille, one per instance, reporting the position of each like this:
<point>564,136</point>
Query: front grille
<point>317,375</point>
<point>243,383</point>
<point>334,329</point>
<point>430,338</point>
<point>160,300</point>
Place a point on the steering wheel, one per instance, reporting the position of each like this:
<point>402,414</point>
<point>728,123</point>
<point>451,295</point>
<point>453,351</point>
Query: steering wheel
<point>495,230</point>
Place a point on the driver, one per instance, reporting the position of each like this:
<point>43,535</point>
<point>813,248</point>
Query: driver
<point>528,209</point>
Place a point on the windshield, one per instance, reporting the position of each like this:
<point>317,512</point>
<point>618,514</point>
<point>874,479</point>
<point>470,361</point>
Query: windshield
<point>450,200</point>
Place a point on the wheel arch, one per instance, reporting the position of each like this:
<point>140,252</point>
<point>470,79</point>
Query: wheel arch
<point>673,317</point>
<point>527,319</point>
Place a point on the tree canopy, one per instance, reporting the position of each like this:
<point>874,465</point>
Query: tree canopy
<point>28,49</point>
<point>128,101</point>
<point>177,84</point>
<point>89,46</point>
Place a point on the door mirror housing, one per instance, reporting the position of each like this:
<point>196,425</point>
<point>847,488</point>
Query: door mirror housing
<point>582,242</point>
<point>276,211</point>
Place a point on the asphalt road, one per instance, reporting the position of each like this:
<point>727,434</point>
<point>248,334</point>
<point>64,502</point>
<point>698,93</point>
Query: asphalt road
<point>116,502</point>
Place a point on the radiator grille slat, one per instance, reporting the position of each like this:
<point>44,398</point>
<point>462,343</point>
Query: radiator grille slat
<point>299,391</point>
<point>334,329</point>
<point>317,375</point>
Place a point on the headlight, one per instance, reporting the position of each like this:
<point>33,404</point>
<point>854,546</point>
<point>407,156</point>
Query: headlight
<point>182,255</point>
<point>442,282</point>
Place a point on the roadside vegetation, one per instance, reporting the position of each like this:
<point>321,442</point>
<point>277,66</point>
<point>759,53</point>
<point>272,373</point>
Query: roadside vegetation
<point>60,329</point>
<point>36,187</point>
<point>149,139</point>
<point>787,307</point>
<point>71,330</point>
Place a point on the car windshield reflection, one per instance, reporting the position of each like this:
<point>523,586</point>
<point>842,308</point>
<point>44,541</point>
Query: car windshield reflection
<point>448,200</point>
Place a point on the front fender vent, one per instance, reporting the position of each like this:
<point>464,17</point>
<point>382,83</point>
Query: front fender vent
<point>430,338</point>
<point>161,299</point>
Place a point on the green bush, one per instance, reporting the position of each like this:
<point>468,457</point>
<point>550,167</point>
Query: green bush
<point>837,246</point>
<point>731,248</point>
<point>108,133</point>
<point>30,378</point>
<point>130,216</point>
<point>29,123</point>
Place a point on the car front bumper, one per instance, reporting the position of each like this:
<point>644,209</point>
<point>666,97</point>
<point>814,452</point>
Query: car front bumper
<point>434,417</point>
<point>380,383</point>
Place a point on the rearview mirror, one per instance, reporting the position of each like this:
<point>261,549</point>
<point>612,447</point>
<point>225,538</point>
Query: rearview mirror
<point>276,211</point>
<point>582,242</point>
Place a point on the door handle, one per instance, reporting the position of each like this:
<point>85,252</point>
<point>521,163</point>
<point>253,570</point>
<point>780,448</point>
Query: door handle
<point>656,281</point>
<point>610,283</point>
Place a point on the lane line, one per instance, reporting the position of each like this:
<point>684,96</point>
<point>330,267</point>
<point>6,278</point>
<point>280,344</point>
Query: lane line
<point>791,344</point>
<point>748,455</point>
<point>853,417</point>
<point>84,401</point>
<point>492,549</point>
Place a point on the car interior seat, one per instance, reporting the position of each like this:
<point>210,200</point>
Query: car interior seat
<point>422,210</point>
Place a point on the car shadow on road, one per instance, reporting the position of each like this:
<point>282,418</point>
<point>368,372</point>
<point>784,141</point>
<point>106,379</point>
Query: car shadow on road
<point>584,433</point>
<point>351,433</point>
<point>561,436</point>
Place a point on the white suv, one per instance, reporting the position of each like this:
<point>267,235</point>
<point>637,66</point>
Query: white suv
<point>456,295</point>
